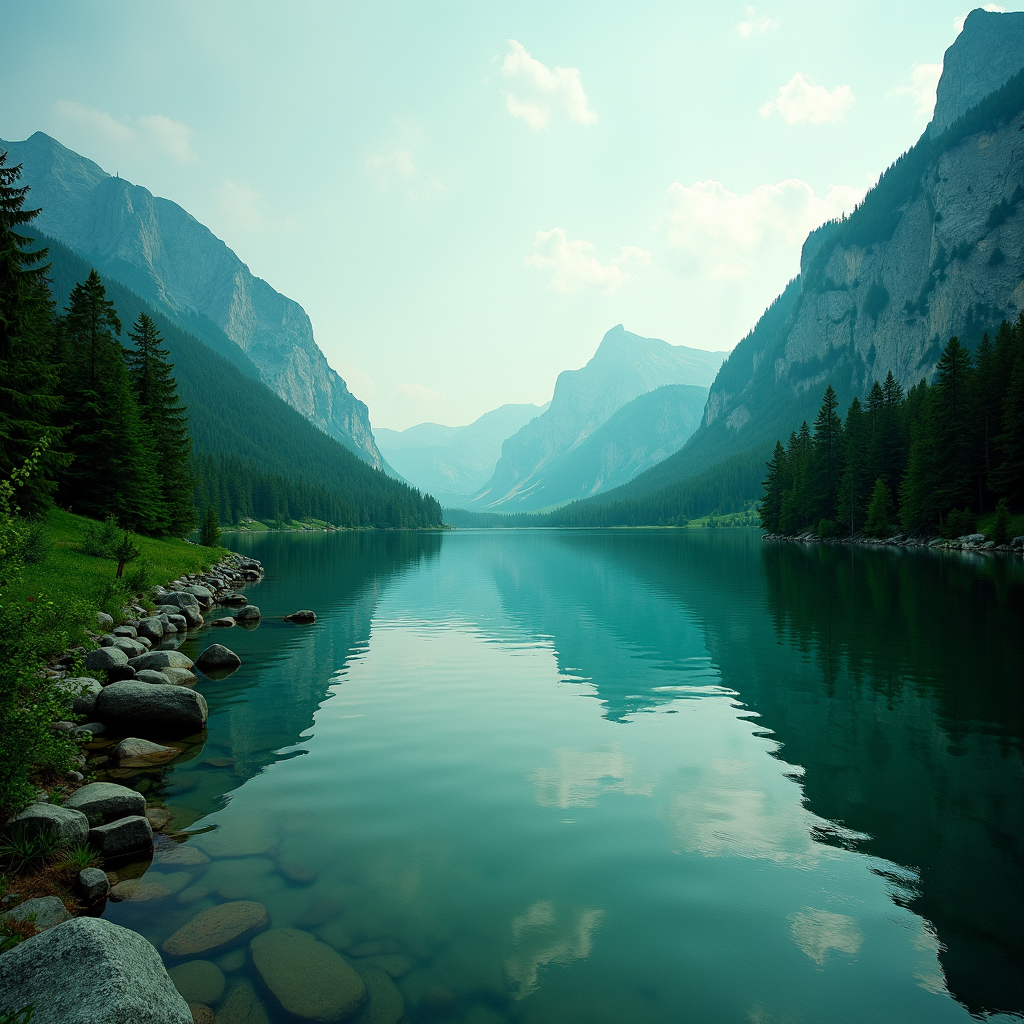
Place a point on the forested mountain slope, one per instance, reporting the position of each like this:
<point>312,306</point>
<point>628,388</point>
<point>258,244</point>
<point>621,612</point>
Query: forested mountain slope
<point>246,434</point>
<point>182,269</point>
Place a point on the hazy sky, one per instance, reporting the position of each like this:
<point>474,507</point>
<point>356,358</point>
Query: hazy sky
<point>466,196</point>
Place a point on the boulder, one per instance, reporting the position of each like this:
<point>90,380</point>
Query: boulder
<point>249,615</point>
<point>180,599</point>
<point>130,647</point>
<point>85,691</point>
<point>242,1006</point>
<point>120,674</point>
<point>90,971</point>
<point>151,675</point>
<point>129,631</point>
<point>71,827</point>
<point>234,599</point>
<point>301,617</point>
<point>139,753</point>
<point>104,621</point>
<point>152,709</point>
<point>198,981</point>
<point>307,977</point>
<point>122,837</point>
<point>151,628</point>
<point>220,927</point>
<point>104,658</point>
<point>224,623</point>
<point>46,912</point>
<point>387,1004</point>
<point>101,802</point>
<point>217,656</point>
<point>94,729</point>
<point>161,660</point>
<point>180,677</point>
<point>106,641</point>
<point>91,885</point>
<point>203,1014</point>
<point>202,594</point>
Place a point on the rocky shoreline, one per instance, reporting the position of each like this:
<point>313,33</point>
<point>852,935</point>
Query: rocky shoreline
<point>72,965</point>
<point>975,543</point>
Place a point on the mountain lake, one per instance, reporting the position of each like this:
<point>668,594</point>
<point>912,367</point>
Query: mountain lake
<point>618,776</point>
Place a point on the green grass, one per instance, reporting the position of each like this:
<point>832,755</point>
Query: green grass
<point>67,576</point>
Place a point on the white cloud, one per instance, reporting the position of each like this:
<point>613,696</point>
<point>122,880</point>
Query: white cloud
<point>755,24</point>
<point>537,92</point>
<point>800,101</point>
<point>241,205</point>
<point>419,393</point>
<point>397,170</point>
<point>958,22</point>
<point>726,235</point>
<point>146,134</point>
<point>923,81</point>
<point>573,266</point>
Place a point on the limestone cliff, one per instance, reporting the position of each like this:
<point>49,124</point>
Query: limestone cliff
<point>163,253</point>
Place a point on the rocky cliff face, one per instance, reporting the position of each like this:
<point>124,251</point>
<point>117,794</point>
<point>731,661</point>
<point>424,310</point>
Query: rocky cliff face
<point>624,367</point>
<point>162,252</point>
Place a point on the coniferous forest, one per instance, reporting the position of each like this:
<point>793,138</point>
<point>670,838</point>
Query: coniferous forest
<point>931,460</point>
<point>98,400</point>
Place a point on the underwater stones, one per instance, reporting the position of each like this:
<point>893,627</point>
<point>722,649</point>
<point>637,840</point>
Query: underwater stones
<point>158,817</point>
<point>301,617</point>
<point>217,928</point>
<point>398,965</point>
<point>90,971</point>
<point>181,855</point>
<point>297,872</point>
<point>242,1006</point>
<point>225,623</point>
<point>248,615</point>
<point>138,891</point>
<point>202,1014</point>
<point>386,1004</point>
<point>306,976</point>
<point>198,981</point>
<point>241,839</point>
<point>101,802</point>
<point>134,752</point>
<point>233,961</point>
<point>218,657</point>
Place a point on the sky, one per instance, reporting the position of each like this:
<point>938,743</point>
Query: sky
<point>465,196</point>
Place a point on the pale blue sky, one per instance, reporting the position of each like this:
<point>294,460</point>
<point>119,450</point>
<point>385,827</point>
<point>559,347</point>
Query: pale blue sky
<point>466,196</point>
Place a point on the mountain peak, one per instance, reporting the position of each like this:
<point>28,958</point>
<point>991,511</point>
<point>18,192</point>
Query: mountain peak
<point>987,53</point>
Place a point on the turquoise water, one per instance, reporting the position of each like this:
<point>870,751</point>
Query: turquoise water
<point>624,776</point>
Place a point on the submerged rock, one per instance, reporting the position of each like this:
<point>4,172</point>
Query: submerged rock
<point>217,656</point>
<point>249,615</point>
<point>225,623</point>
<point>139,753</point>
<point>301,617</point>
<point>306,976</point>
<point>242,1006</point>
<point>217,928</point>
<point>198,981</point>
<point>387,1004</point>
<point>90,971</point>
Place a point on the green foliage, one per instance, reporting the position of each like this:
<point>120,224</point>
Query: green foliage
<point>101,539</point>
<point>81,857</point>
<point>826,529</point>
<point>958,523</point>
<point>210,533</point>
<point>22,1016</point>
<point>879,509</point>
<point>1000,532</point>
<point>21,851</point>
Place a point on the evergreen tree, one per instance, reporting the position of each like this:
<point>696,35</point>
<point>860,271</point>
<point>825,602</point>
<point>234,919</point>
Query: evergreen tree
<point>879,509</point>
<point>1009,477</point>
<point>950,427</point>
<point>987,401</point>
<point>209,535</point>
<point>114,467</point>
<point>796,503</point>
<point>28,378</point>
<point>826,462</point>
<point>157,393</point>
<point>770,506</point>
<point>854,479</point>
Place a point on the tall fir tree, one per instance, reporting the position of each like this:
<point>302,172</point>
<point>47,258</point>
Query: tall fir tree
<point>114,470</point>
<point>28,376</point>
<point>1008,479</point>
<point>951,426</point>
<point>854,479</point>
<point>157,394</point>
<point>770,507</point>
<point>826,457</point>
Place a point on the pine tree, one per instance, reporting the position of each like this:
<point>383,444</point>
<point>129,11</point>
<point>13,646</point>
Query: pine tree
<point>853,482</point>
<point>951,426</point>
<point>1008,478</point>
<point>28,378</point>
<point>770,507</point>
<point>796,501</point>
<point>114,467</point>
<point>879,509</point>
<point>826,452</point>
<point>209,535</point>
<point>157,393</point>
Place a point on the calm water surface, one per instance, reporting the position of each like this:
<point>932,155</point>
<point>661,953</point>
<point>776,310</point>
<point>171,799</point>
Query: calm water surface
<point>651,776</point>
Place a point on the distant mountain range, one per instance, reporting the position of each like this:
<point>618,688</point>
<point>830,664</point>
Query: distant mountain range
<point>936,249</point>
<point>182,269</point>
<point>452,463</point>
<point>549,459</point>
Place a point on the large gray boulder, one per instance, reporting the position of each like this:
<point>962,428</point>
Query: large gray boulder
<point>104,658</point>
<point>133,752</point>
<point>161,660</point>
<point>248,616</point>
<point>90,971</point>
<point>130,647</point>
<point>152,675</point>
<point>152,709</point>
<point>101,802</point>
<point>202,594</point>
<point>218,657</point>
<point>70,826</point>
<point>180,599</point>
<point>151,628</point>
<point>45,911</point>
<point>122,837</point>
<point>85,691</point>
<point>91,885</point>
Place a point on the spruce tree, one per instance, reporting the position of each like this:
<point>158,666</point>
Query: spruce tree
<point>770,507</point>
<point>951,426</point>
<point>28,377</point>
<point>209,535</point>
<point>879,509</point>
<point>826,451</point>
<point>162,412</point>
<point>853,481</point>
<point>114,463</point>
<point>1008,478</point>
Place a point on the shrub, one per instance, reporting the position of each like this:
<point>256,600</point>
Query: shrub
<point>827,528</point>
<point>20,850</point>
<point>879,510</point>
<point>1000,532</point>
<point>101,540</point>
<point>958,523</point>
